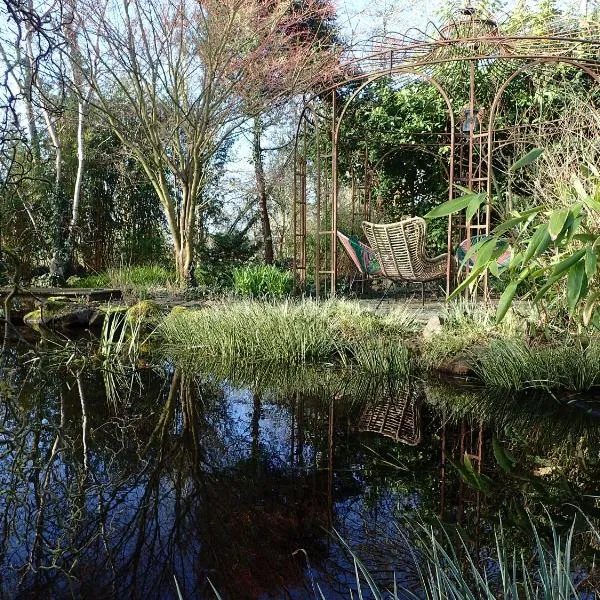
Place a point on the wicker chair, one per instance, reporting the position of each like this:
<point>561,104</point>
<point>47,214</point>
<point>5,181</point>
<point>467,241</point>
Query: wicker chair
<point>400,249</point>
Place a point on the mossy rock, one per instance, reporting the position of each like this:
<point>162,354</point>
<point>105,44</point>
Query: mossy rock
<point>146,313</point>
<point>59,314</point>
<point>106,310</point>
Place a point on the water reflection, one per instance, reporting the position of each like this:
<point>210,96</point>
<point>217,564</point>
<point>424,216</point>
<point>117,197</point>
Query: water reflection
<point>116,483</point>
<point>396,416</point>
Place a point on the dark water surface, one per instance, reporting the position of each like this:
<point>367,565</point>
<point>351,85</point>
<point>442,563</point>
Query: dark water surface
<point>119,483</point>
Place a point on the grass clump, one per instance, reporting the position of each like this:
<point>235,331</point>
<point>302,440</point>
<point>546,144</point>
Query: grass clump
<point>291,333</point>
<point>465,326</point>
<point>142,277</point>
<point>262,281</point>
<point>513,364</point>
<point>139,279</point>
<point>95,280</point>
<point>447,566</point>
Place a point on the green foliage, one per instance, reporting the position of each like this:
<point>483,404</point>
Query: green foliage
<point>97,280</point>
<point>288,333</point>
<point>141,277</point>
<point>512,364</point>
<point>262,281</point>
<point>226,252</point>
<point>465,326</point>
<point>448,566</point>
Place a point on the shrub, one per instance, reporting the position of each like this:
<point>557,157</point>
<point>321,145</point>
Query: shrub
<point>262,281</point>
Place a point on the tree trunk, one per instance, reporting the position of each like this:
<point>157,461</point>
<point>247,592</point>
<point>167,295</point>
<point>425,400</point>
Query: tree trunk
<point>261,191</point>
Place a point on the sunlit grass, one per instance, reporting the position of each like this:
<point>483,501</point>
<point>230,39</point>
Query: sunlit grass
<point>286,333</point>
<point>512,364</point>
<point>135,278</point>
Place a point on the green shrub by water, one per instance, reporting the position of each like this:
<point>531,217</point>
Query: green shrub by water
<point>285,333</point>
<point>262,281</point>
<point>466,325</point>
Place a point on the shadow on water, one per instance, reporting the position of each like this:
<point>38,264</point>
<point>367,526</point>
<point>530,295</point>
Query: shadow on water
<point>115,482</point>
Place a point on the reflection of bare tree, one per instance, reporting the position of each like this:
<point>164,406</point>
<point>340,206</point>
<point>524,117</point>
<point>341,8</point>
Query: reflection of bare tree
<point>115,505</point>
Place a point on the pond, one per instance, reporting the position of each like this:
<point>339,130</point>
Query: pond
<point>162,483</point>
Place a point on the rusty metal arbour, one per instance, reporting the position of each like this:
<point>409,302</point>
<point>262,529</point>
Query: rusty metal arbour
<point>485,63</point>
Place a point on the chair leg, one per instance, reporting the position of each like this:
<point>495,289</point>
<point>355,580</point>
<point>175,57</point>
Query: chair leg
<point>389,287</point>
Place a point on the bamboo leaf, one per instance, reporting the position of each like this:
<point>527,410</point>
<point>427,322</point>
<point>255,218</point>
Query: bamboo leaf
<point>568,262</point>
<point>574,284</point>
<point>529,158</point>
<point>536,239</point>
<point>473,275</point>
<point>579,188</point>
<point>592,203</point>
<point>590,262</point>
<point>452,206</point>
<point>506,300</point>
<point>557,221</point>
<point>507,225</point>
<point>476,201</point>
<point>485,254</point>
<point>473,250</point>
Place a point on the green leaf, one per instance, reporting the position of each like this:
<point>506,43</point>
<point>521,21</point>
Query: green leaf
<point>506,300</point>
<point>504,459</point>
<point>557,221</point>
<point>473,275</point>
<point>503,227</point>
<point>568,262</point>
<point>590,262</point>
<point>452,206</point>
<point>586,238</point>
<point>476,201</point>
<point>592,203</point>
<point>574,284</point>
<point>494,269</point>
<point>529,158</point>
<point>536,240</point>
<point>473,250</point>
<point>484,254</point>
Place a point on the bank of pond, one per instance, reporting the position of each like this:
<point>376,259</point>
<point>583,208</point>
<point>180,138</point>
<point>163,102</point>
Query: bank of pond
<point>201,475</point>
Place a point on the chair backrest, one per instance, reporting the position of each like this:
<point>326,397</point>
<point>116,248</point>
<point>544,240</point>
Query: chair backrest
<point>362,256</point>
<point>399,246</point>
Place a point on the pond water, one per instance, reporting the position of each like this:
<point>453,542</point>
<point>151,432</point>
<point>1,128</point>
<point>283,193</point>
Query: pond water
<point>130,483</point>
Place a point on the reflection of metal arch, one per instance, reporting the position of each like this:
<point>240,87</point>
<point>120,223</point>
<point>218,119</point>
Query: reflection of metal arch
<point>483,51</point>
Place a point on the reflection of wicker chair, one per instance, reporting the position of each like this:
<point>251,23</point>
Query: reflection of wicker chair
<point>400,249</point>
<point>398,418</point>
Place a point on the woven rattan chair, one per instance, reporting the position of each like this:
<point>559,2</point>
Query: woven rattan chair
<point>400,250</point>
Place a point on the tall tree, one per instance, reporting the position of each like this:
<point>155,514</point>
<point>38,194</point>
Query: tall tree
<point>188,74</point>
